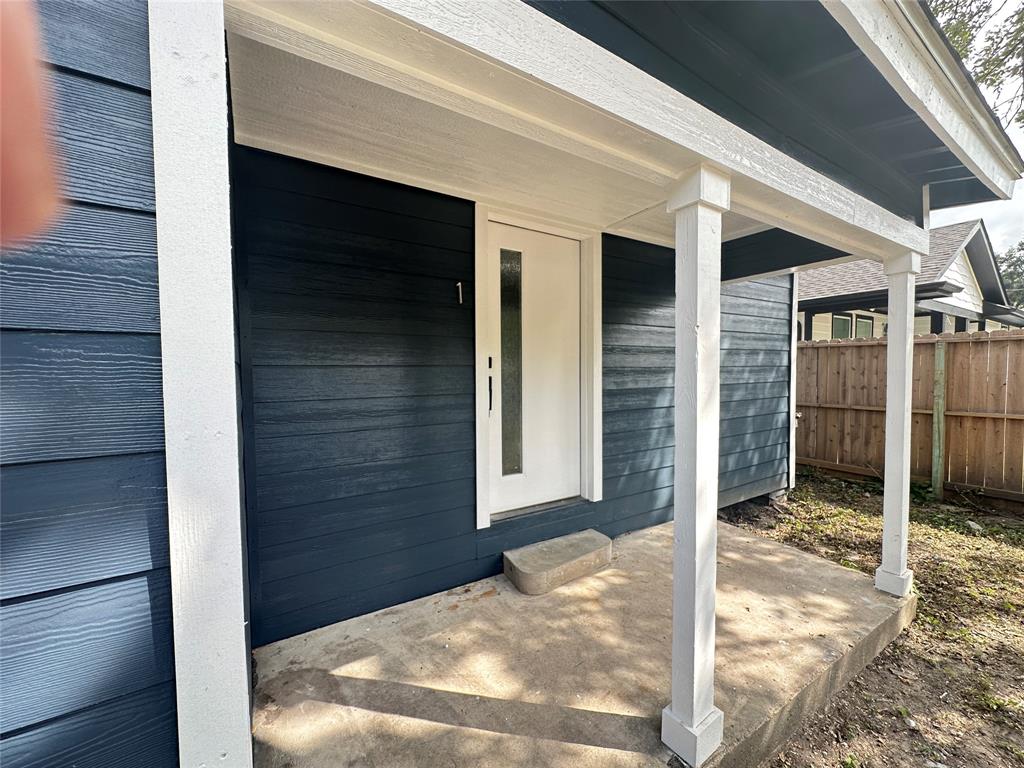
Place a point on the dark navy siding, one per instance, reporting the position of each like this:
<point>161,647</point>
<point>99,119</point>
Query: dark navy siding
<point>358,394</point>
<point>757,322</point>
<point>358,391</point>
<point>755,366</point>
<point>85,618</point>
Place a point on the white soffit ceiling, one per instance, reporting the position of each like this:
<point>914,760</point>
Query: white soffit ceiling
<point>657,225</point>
<point>291,105</point>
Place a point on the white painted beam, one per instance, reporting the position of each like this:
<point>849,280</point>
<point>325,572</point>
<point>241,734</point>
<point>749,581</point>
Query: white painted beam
<point>692,725</point>
<point>899,40</point>
<point>893,576</point>
<point>201,408</point>
<point>357,47</point>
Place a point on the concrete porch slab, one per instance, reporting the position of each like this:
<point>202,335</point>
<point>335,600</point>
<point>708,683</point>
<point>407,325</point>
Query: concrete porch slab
<point>485,676</point>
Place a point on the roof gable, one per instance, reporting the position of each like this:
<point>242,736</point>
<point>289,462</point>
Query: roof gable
<point>945,244</point>
<point>959,271</point>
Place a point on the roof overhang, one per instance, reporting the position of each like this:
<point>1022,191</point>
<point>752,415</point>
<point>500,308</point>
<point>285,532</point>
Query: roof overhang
<point>552,94</point>
<point>868,300</point>
<point>983,263</point>
<point>1009,315</point>
<point>902,40</point>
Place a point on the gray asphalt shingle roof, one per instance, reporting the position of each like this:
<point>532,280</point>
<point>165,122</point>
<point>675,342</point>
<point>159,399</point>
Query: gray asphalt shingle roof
<point>866,275</point>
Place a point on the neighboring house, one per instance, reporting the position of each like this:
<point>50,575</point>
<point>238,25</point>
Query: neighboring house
<point>427,281</point>
<point>959,289</point>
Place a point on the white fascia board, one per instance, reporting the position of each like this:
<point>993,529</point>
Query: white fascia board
<point>510,65</point>
<point>898,39</point>
<point>979,240</point>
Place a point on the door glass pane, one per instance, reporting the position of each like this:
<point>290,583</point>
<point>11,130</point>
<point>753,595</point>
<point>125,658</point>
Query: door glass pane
<point>511,362</point>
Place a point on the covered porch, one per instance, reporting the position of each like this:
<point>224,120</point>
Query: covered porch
<point>544,129</point>
<point>483,675</point>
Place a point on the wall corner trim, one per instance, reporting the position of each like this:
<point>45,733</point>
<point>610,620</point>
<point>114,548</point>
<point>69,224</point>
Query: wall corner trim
<point>200,387</point>
<point>794,339</point>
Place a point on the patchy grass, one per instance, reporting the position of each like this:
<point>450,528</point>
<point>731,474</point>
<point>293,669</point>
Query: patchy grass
<point>950,690</point>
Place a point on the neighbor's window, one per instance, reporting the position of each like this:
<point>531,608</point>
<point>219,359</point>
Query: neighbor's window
<point>511,362</point>
<point>841,326</point>
<point>865,327</point>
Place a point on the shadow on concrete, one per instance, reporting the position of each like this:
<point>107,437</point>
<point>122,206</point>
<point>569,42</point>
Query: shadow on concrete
<point>483,675</point>
<point>485,713</point>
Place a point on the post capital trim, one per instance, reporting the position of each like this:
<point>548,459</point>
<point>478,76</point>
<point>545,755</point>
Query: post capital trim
<point>703,184</point>
<point>908,262</point>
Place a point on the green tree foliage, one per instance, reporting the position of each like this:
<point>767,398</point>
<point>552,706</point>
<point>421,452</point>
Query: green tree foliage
<point>1011,264</point>
<point>995,58</point>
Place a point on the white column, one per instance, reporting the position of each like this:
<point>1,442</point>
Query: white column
<point>201,411</point>
<point>893,576</point>
<point>691,725</point>
<point>794,338</point>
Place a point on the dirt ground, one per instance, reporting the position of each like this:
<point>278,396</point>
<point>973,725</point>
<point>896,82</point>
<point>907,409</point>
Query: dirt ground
<point>949,692</point>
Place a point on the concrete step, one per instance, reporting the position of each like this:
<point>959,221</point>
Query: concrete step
<point>540,567</point>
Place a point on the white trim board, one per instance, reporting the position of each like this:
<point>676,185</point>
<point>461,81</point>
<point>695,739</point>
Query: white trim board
<point>794,338</point>
<point>486,301</point>
<point>200,388</point>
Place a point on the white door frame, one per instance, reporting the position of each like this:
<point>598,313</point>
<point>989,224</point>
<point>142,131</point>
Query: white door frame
<point>591,433</point>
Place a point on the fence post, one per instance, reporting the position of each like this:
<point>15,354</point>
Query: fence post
<point>939,420</point>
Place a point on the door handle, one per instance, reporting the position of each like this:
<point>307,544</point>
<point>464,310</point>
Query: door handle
<point>490,394</point>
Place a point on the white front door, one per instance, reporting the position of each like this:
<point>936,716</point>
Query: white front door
<point>534,367</point>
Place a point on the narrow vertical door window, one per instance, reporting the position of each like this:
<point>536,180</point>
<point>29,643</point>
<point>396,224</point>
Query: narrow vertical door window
<point>511,362</point>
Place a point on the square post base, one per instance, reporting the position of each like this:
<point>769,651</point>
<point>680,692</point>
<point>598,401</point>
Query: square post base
<point>897,584</point>
<point>692,745</point>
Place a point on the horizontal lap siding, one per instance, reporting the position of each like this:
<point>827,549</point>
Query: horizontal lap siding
<point>756,337</point>
<point>358,390</point>
<point>359,394</point>
<point>85,621</point>
<point>639,338</point>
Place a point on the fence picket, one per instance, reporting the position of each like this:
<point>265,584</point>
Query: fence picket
<point>841,396</point>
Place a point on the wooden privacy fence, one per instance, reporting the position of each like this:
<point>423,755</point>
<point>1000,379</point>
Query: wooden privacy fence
<point>975,381</point>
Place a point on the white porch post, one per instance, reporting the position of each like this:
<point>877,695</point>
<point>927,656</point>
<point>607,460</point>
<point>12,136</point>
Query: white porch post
<point>205,509</point>
<point>893,576</point>
<point>691,725</point>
